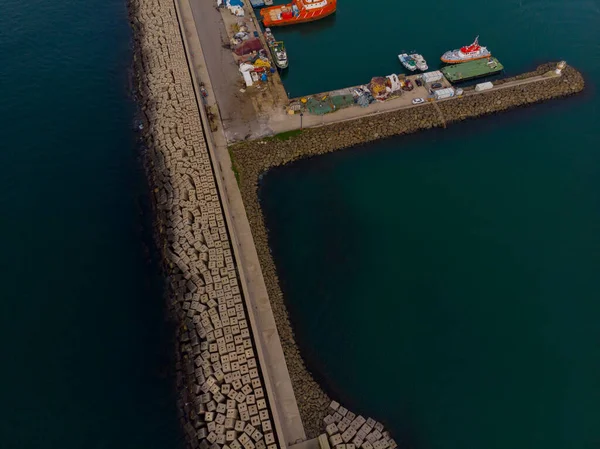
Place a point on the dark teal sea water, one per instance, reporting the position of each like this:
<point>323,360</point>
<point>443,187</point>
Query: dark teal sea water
<point>447,283</point>
<point>363,39</point>
<point>83,342</point>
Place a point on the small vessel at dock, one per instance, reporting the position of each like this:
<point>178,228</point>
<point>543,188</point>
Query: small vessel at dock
<point>408,62</point>
<point>466,53</point>
<point>277,50</point>
<point>299,11</point>
<point>420,62</point>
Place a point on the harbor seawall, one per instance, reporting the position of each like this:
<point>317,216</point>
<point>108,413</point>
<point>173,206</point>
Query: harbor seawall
<point>225,393</point>
<point>252,159</point>
<point>203,284</point>
<point>222,389</point>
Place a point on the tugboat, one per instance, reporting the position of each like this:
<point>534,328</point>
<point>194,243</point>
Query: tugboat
<point>420,62</point>
<point>277,50</point>
<point>408,62</point>
<point>467,53</point>
<point>299,11</point>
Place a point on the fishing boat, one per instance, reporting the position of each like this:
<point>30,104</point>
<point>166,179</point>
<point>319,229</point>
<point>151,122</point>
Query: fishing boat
<point>277,50</point>
<point>299,11</point>
<point>420,62</point>
<point>467,53</point>
<point>408,62</point>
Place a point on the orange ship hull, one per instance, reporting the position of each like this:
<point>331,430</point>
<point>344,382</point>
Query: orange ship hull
<point>275,15</point>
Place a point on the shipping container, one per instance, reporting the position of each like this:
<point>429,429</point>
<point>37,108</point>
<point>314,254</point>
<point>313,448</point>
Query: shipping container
<point>431,77</point>
<point>483,86</point>
<point>443,93</point>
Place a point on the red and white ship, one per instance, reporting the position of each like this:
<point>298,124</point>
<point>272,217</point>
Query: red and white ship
<point>298,11</point>
<point>467,53</point>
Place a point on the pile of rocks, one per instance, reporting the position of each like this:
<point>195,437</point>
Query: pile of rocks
<point>230,409</point>
<point>345,430</point>
<point>223,401</point>
<point>494,101</point>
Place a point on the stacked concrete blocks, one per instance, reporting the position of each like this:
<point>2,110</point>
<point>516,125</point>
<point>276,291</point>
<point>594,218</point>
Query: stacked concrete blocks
<point>345,430</point>
<point>223,404</point>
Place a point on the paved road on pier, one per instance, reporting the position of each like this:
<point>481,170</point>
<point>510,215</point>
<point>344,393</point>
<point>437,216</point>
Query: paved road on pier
<point>237,115</point>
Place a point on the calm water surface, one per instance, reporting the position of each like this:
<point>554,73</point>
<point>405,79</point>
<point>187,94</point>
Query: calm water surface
<point>83,341</point>
<point>447,282</point>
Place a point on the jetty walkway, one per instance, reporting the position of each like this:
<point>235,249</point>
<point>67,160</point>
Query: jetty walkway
<point>282,123</point>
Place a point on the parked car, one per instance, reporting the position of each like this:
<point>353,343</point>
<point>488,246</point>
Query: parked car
<point>409,85</point>
<point>419,82</point>
<point>436,86</point>
<point>418,101</point>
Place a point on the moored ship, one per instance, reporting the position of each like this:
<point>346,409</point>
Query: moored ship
<point>299,11</point>
<point>466,53</point>
<point>277,50</point>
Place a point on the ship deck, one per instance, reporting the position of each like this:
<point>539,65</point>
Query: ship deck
<point>470,70</point>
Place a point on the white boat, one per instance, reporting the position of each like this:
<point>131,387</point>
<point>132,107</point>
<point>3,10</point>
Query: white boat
<point>407,62</point>
<point>420,62</point>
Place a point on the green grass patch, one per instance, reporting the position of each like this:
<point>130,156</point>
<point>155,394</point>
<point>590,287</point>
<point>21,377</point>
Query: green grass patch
<point>287,135</point>
<point>234,168</point>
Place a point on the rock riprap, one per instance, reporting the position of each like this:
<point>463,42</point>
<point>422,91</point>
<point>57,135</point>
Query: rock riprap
<point>223,402</point>
<point>346,430</point>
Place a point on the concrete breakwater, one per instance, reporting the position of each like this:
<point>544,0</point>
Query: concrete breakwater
<point>225,398</point>
<point>252,159</point>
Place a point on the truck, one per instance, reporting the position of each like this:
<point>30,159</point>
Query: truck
<point>483,86</point>
<point>440,94</point>
<point>431,77</point>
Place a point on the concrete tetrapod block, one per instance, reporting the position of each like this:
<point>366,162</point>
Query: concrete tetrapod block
<point>328,420</point>
<point>336,439</point>
<point>343,424</point>
<point>331,429</point>
<point>348,435</point>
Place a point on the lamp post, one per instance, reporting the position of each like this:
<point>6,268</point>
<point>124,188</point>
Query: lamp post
<point>301,115</point>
